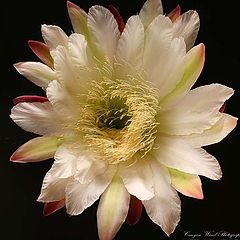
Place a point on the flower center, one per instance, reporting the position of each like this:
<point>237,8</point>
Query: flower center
<point>114,113</point>
<point>118,118</point>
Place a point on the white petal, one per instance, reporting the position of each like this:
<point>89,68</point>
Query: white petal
<point>67,72</point>
<point>54,36</point>
<point>138,179</point>
<point>53,189</point>
<point>81,196</point>
<point>177,154</point>
<point>157,49</point>
<point>131,42</point>
<point>112,209</point>
<point>37,117</point>
<point>57,178</point>
<point>164,209</point>
<point>65,162</point>
<point>214,134</point>
<point>197,111</point>
<point>187,26</point>
<point>62,101</point>
<point>39,73</point>
<point>37,149</point>
<point>78,49</point>
<point>150,10</point>
<point>169,72</point>
<point>104,32</point>
<point>88,167</point>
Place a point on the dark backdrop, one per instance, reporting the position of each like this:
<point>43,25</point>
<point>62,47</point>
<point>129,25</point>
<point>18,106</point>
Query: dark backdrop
<point>20,214</point>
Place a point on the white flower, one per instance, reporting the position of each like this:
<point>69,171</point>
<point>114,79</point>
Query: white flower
<point>119,117</point>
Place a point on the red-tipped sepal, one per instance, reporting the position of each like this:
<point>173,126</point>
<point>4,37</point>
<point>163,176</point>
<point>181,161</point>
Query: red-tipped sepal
<point>118,17</point>
<point>175,13</point>
<point>42,51</point>
<point>135,211</point>
<point>29,98</point>
<point>52,207</point>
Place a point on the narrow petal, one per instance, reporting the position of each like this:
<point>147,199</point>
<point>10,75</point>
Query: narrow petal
<point>187,184</point>
<point>78,18</point>
<point>29,98</point>
<point>177,154</point>
<point>81,196</point>
<point>164,209</point>
<point>37,149</point>
<point>197,111</point>
<point>214,134</point>
<point>103,30</point>
<point>52,207</point>
<point>118,17</point>
<point>131,43</point>
<point>42,51</point>
<point>150,10</point>
<point>112,209</point>
<point>135,211</point>
<point>193,64</point>
<point>38,73</point>
<point>38,118</point>
<point>175,13</point>
<point>54,36</point>
<point>138,180</point>
<point>187,26</point>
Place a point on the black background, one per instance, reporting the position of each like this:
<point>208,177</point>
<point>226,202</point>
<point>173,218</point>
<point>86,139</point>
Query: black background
<point>21,216</point>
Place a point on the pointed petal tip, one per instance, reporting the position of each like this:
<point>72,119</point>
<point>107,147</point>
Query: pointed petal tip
<point>71,5</point>
<point>17,158</point>
<point>175,13</point>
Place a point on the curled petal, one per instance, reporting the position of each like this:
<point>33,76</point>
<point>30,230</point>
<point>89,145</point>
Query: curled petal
<point>42,51</point>
<point>112,209</point>
<point>37,149</point>
<point>52,207</point>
